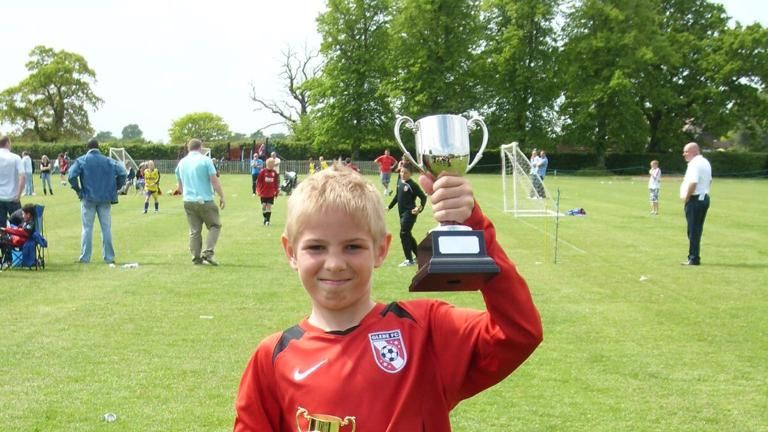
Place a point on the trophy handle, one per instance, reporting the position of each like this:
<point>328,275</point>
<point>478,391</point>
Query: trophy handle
<point>348,419</point>
<point>300,411</point>
<point>410,124</point>
<point>470,123</point>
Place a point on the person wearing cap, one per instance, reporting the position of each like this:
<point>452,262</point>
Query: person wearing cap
<point>96,179</point>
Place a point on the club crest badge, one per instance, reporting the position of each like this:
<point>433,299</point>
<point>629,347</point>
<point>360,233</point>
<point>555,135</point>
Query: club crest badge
<point>389,350</point>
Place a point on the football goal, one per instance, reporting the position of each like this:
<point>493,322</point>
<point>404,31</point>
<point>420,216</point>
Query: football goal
<point>119,154</point>
<point>525,194</point>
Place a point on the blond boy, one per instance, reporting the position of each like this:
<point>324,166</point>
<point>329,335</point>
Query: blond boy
<point>654,184</point>
<point>394,367</point>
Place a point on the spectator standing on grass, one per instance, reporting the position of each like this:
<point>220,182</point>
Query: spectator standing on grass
<point>386,164</point>
<point>401,366</point>
<point>541,170</point>
<point>267,187</point>
<point>654,184</point>
<point>534,174</point>
<point>63,167</point>
<point>45,174</point>
<point>323,163</point>
<point>694,191</point>
<point>29,187</point>
<point>96,179</point>
<point>197,181</point>
<point>11,180</point>
<point>256,166</point>
<point>405,199</point>
<point>276,159</point>
<point>312,167</point>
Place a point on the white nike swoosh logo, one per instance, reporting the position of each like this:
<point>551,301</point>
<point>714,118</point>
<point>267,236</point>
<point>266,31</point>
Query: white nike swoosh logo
<point>300,375</point>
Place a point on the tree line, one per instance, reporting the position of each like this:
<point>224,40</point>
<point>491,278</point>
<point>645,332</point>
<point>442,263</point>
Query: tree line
<point>587,75</point>
<point>597,75</point>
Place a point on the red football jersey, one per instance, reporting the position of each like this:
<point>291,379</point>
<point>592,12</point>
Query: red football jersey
<point>267,183</point>
<point>403,368</point>
<point>386,163</point>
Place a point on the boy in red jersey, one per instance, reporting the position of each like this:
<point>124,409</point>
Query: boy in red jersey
<point>395,367</point>
<point>267,187</point>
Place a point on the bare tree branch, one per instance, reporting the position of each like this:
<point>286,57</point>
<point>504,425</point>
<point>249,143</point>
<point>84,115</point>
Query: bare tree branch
<point>295,71</point>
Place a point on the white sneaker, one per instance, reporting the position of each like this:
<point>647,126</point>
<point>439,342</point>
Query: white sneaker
<point>407,263</point>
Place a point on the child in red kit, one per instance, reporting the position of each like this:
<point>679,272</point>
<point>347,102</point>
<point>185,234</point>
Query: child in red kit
<point>401,366</point>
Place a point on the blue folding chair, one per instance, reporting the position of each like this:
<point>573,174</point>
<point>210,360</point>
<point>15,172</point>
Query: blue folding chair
<point>32,253</point>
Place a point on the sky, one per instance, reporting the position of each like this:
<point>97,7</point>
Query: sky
<point>158,60</point>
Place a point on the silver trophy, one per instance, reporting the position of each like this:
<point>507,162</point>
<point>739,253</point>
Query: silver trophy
<point>453,256</point>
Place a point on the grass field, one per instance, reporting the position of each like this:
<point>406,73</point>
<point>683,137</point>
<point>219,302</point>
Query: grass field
<point>633,340</point>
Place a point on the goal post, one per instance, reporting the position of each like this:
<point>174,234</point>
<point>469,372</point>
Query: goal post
<point>525,193</point>
<point>120,154</point>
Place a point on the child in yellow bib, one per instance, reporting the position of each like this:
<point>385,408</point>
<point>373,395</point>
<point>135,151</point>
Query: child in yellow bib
<point>151,185</point>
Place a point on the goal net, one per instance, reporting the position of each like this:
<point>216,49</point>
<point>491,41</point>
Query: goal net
<point>525,194</point>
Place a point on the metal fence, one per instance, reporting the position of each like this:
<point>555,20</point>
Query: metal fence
<point>244,167</point>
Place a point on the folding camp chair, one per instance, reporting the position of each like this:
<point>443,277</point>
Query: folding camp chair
<point>32,253</point>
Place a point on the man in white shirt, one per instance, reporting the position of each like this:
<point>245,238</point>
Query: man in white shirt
<point>11,180</point>
<point>694,191</point>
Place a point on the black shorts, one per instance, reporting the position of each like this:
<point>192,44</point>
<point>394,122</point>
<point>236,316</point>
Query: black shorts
<point>267,200</point>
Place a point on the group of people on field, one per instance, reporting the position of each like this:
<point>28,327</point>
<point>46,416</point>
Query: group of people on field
<point>421,357</point>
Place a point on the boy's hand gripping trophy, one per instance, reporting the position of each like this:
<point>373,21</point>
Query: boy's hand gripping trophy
<point>452,257</point>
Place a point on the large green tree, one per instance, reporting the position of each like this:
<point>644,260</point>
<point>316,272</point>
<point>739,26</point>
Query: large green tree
<point>53,101</point>
<point>434,44</point>
<point>518,66</point>
<point>711,80</point>
<point>202,125</point>
<point>132,132</point>
<point>352,106</point>
<point>610,48</point>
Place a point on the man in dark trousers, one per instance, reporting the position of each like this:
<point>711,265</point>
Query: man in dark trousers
<point>96,179</point>
<point>407,191</point>
<point>694,191</point>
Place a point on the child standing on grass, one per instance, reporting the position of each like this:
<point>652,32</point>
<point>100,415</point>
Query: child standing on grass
<point>401,366</point>
<point>654,183</point>
<point>267,187</point>
<point>405,199</point>
<point>151,186</point>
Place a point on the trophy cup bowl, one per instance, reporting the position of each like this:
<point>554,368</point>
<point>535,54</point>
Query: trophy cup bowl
<point>452,257</point>
<point>323,422</point>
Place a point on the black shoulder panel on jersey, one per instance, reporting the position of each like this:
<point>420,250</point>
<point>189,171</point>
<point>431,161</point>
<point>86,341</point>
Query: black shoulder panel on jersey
<point>398,310</point>
<point>292,333</point>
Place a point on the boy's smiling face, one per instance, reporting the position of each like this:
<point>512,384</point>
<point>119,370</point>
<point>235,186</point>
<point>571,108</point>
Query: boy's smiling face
<point>335,255</point>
